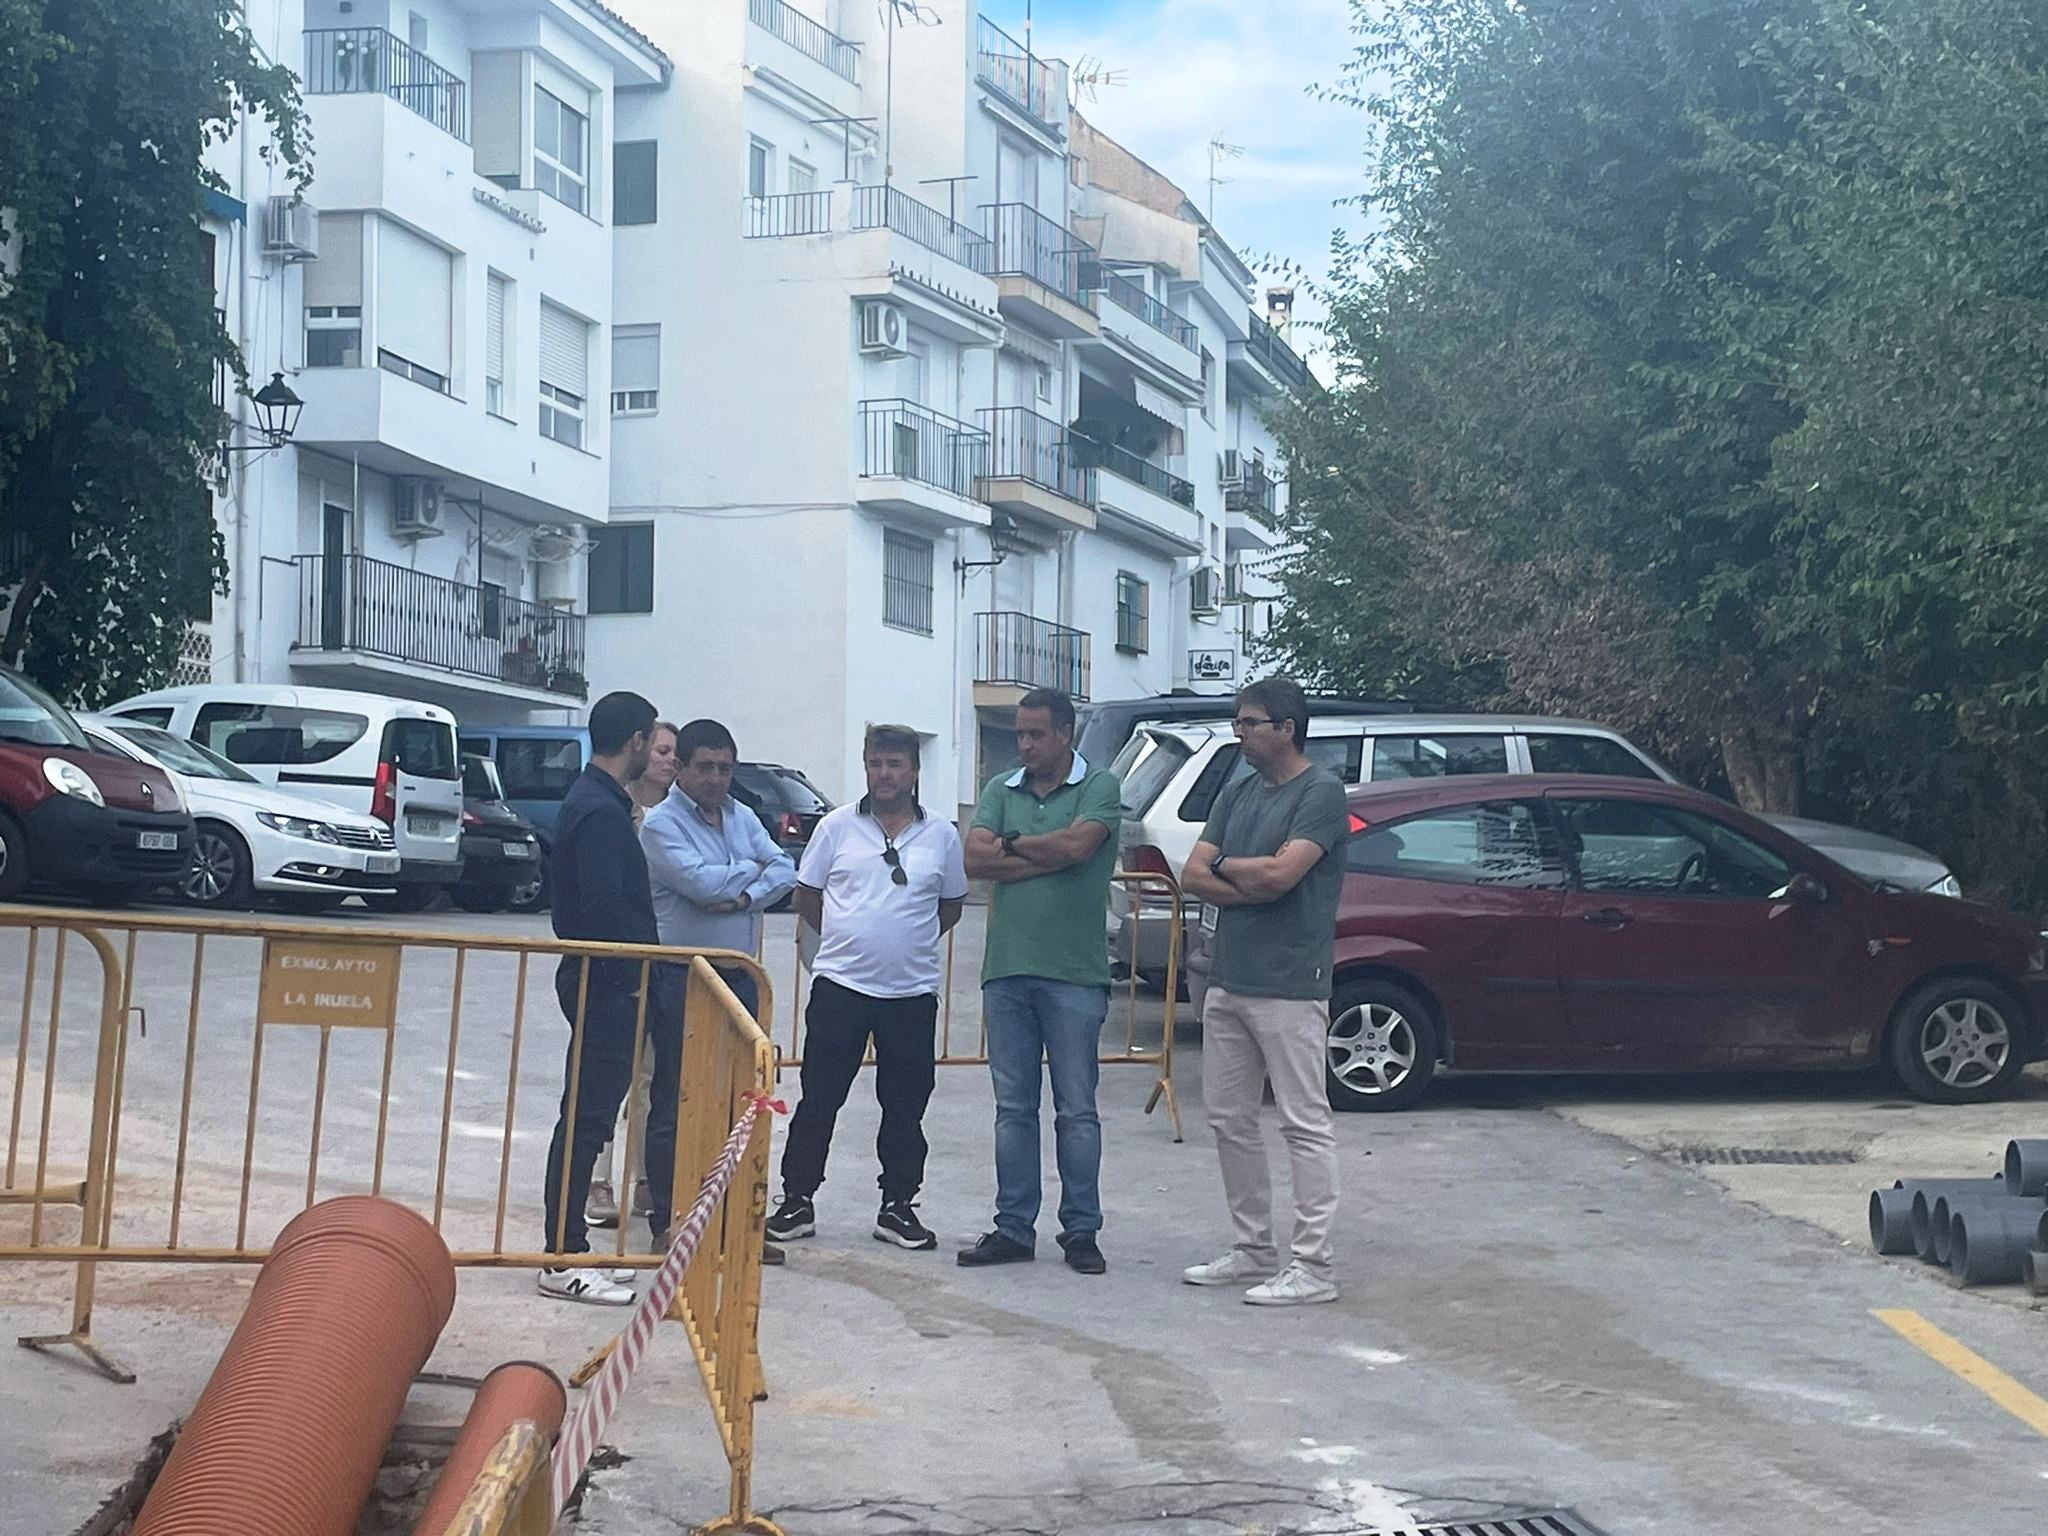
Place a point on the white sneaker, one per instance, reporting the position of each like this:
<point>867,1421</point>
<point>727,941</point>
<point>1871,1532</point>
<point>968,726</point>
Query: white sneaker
<point>1294,1286</point>
<point>587,1285</point>
<point>1233,1268</point>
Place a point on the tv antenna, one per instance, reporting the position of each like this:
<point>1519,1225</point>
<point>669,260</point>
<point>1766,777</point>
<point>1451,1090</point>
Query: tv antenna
<point>1089,75</point>
<point>894,13</point>
<point>1219,150</point>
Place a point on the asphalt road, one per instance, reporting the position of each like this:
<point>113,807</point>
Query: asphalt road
<point>1539,1309</point>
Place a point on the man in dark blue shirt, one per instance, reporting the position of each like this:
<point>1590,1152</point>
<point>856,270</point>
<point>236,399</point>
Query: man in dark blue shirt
<point>601,893</point>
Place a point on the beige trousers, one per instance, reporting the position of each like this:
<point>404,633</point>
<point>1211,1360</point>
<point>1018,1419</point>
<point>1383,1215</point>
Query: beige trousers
<point>1246,1043</point>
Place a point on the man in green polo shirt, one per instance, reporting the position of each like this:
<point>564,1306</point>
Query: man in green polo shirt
<point>1046,835</point>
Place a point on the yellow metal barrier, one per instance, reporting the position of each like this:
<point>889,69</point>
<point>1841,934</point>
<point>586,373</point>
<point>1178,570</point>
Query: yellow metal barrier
<point>1166,892</point>
<point>197,1152</point>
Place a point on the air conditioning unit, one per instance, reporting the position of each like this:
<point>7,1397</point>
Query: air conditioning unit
<point>884,329</point>
<point>1205,590</point>
<point>291,230</point>
<point>416,509</point>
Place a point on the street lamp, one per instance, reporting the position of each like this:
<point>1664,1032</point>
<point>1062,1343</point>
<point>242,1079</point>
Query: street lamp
<point>277,418</point>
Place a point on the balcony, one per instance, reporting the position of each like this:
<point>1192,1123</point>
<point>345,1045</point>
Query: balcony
<point>807,37</point>
<point>1035,87</point>
<point>1140,333</point>
<point>1037,267</point>
<point>1272,364</point>
<point>1134,300</point>
<point>1034,471</point>
<point>1142,500</point>
<point>353,61</point>
<point>370,619</point>
<point>1017,652</point>
<point>889,207</point>
<point>918,463</point>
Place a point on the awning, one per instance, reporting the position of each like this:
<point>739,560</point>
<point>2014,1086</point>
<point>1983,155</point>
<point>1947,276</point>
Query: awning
<point>1156,402</point>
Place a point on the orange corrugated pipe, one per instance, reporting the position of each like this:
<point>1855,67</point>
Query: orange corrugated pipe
<point>517,1390</point>
<point>291,1429</point>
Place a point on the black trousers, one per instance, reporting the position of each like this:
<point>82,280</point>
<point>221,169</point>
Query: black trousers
<point>610,1017</point>
<point>837,1027</point>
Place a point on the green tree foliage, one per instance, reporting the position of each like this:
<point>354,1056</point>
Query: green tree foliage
<point>109,343</point>
<point>1695,383</point>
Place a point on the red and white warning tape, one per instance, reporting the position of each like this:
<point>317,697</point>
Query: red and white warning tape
<point>578,1442</point>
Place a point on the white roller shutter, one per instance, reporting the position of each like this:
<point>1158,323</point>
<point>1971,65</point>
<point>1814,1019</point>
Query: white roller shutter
<point>415,301</point>
<point>636,357</point>
<point>564,351</point>
<point>494,328</point>
<point>337,277</point>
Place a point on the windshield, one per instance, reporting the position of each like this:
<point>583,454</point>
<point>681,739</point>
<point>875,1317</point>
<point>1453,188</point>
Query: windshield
<point>801,794</point>
<point>31,716</point>
<point>1151,774</point>
<point>182,756</point>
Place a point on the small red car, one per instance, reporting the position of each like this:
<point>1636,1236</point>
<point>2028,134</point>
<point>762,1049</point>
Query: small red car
<point>1574,924</point>
<point>80,821</point>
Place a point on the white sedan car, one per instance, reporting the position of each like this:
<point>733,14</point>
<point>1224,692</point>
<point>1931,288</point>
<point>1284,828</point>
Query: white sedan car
<point>307,855</point>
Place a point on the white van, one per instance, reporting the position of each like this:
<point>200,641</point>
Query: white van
<point>393,758</point>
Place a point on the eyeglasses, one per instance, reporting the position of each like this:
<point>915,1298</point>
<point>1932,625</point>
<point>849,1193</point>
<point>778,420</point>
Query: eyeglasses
<point>1244,725</point>
<point>894,860</point>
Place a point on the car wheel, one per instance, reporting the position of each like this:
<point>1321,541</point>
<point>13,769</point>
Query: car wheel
<point>220,875</point>
<point>13,858</point>
<point>480,898</point>
<point>308,903</point>
<point>1382,1048</point>
<point>407,898</point>
<point>1957,1040</point>
<point>535,895</point>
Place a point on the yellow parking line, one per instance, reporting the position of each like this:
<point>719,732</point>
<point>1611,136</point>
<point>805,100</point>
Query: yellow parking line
<point>1980,1373</point>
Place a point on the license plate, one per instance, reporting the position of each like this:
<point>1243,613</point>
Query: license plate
<point>518,851</point>
<point>1209,916</point>
<point>381,864</point>
<point>425,826</point>
<point>157,842</point>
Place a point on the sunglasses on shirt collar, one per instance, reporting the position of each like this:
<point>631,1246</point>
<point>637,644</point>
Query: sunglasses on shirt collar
<point>894,860</point>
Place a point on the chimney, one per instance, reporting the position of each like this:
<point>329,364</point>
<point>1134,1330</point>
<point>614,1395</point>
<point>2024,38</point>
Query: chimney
<point>1280,309</point>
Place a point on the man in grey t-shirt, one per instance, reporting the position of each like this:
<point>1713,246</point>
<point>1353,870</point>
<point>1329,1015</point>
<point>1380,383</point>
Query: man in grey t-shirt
<point>1272,861</point>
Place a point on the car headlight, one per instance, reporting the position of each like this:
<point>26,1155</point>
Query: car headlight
<point>1947,885</point>
<point>298,826</point>
<point>67,778</point>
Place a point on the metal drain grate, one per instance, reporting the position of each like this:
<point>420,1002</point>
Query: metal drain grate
<point>1556,1522</point>
<point>1782,1155</point>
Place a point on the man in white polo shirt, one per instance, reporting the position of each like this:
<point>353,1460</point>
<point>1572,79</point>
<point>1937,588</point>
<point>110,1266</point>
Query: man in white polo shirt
<point>881,883</point>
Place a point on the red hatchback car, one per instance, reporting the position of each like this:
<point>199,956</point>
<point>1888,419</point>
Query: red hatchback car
<point>1556,924</point>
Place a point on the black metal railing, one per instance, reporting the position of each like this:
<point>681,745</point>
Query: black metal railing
<point>1022,651</point>
<point>1246,485</point>
<point>788,213</point>
<point>909,441</point>
<point>1030,84</point>
<point>374,608</point>
<point>1121,461</point>
<point>1023,445</point>
<point>1270,348</point>
<point>1127,295</point>
<point>886,206</point>
<point>807,37</point>
<point>345,61</point>
<point>1028,244</point>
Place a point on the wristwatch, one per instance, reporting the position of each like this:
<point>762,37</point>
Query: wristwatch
<point>1009,844</point>
<point>1216,865</point>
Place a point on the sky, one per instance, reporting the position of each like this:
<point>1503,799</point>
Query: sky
<point>1235,70</point>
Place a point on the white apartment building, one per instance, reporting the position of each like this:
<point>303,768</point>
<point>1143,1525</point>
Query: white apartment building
<point>443,306</point>
<point>924,394</point>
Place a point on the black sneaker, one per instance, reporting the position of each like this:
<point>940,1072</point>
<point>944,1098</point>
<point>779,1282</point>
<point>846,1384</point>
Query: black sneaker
<point>1084,1255</point>
<point>897,1223</point>
<point>796,1217</point>
<point>994,1248</point>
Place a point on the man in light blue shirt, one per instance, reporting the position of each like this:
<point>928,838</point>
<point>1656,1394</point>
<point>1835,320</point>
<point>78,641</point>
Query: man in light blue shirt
<point>714,867</point>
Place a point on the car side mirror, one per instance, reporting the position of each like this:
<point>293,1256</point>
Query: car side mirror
<point>1806,890</point>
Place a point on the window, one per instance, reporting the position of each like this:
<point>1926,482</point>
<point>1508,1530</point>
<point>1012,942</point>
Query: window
<point>391,362</point>
<point>497,342</point>
<point>621,571</point>
<point>421,749</point>
<point>160,718</point>
<point>564,374</point>
<point>1044,384</point>
<point>1145,778</point>
<point>906,581</point>
<point>538,767</point>
<point>1437,757</point>
<point>635,188</point>
<point>334,335</point>
<point>1626,845</point>
<point>800,177</point>
<point>1208,384</point>
<point>1342,755</point>
<point>561,149</point>
<point>1133,613</point>
<point>1501,843</point>
<point>757,168</point>
<point>277,733</point>
<point>1586,754</point>
<point>415,305</point>
<point>416,31</point>
<point>636,370</point>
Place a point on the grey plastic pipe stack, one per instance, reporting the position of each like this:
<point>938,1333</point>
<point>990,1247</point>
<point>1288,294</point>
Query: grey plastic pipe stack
<point>1891,1210</point>
<point>1986,1231</point>
<point>1989,1244</point>
<point>2026,1166</point>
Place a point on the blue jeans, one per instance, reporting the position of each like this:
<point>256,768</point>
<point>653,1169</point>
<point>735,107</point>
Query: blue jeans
<point>1031,1019</point>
